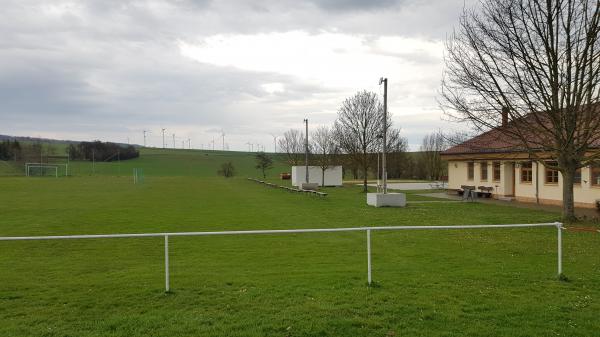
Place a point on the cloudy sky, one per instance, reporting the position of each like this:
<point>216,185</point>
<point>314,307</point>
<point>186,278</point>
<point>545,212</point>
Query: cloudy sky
<point>109,69</point>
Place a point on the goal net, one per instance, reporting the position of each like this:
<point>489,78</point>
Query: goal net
<point>46,170</point>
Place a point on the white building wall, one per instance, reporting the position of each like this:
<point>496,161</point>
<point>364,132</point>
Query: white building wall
<point>333,175</point>
<point>585,194</point>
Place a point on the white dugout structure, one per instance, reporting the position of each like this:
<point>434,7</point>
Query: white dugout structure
<point>368,231</point>
<point>333,175</point>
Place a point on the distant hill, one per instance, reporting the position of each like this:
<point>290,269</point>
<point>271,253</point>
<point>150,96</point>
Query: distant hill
<point>48,140</point>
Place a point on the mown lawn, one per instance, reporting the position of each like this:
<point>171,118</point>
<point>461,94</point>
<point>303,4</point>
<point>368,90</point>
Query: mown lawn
<point>428,283</point>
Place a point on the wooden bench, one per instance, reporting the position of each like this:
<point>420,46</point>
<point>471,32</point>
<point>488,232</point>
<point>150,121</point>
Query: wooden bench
<point>485,191</point>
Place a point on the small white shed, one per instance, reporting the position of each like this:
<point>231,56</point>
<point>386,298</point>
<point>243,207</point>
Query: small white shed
<point>333,175</point>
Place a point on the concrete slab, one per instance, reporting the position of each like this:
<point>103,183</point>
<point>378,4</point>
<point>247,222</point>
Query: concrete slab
<point>386,200</point>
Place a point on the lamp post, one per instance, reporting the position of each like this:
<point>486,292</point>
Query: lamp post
<point>384,169</point>
<point>306,149</point>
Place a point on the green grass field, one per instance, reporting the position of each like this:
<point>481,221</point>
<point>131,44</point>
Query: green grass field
<point>428,283</point>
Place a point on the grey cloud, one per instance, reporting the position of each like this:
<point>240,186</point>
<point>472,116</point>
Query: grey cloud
<point>105,69</point>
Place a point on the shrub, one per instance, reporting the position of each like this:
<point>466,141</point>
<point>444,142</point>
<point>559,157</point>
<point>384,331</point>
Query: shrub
<point>227,170</point>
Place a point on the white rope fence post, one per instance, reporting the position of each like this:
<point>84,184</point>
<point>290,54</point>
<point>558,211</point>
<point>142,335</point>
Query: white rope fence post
<point>369,256</point>
<point>167,288</point>
<point>559,232</point>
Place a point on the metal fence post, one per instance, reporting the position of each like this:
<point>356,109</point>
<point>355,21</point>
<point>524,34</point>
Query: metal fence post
<point>559,232</point>
<point>369,256</point>
<point>167,288</point>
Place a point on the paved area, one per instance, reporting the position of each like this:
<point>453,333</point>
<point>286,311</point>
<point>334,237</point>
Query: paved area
<point>585,213</point>
<point>407,186</point>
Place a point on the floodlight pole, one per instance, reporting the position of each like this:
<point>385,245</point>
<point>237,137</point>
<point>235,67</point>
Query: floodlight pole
<point>306,149</point>
<point>384,173</point>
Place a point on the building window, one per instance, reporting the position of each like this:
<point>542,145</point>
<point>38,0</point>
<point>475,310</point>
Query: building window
<point>484,170</point>
<point>470,170</point>
<point>496,173</point>
<point>551,174</point>
<point>577,180</point>
<point>526,172</point>
<point>595,175</point>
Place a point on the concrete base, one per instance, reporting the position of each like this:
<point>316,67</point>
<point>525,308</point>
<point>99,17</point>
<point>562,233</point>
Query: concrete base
<point>386,200</point>
<point>309,186</point>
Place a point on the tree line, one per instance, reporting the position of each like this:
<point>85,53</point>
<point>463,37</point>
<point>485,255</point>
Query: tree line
<point>18,153</point>
<point>25,152</point>
<point>101,151</point>
<point>355,140</point>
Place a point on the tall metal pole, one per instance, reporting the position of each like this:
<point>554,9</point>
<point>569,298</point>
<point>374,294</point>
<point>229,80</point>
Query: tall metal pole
<point>384,169</point>
<point>306,149</point>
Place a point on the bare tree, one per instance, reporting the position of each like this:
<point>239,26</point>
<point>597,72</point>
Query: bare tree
<point>325,149</point>
<point>358,124</point>
<point>226,170</point>
<point>396,153</point>
<point>292,144</point>
<point>534,67</point>
<point>431,147</point>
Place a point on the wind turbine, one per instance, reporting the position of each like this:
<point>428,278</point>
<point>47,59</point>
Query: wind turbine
<point>274,143</point>
<point>163,134</point>
<point>223,135</point>
<point>145,131</point>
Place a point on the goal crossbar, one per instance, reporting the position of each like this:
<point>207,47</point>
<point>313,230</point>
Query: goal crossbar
<point>368,230</point>
<point>54,166</point>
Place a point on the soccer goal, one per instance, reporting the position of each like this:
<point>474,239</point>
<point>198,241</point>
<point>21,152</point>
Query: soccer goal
<point>46,170</point>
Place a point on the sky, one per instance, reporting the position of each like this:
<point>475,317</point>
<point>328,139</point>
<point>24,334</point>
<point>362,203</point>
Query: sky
<point>110,69</point>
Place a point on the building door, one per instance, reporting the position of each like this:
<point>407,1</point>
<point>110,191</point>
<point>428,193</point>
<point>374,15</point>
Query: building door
<point>510,179</point>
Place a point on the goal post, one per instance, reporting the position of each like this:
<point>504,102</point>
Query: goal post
<point>45,169</point>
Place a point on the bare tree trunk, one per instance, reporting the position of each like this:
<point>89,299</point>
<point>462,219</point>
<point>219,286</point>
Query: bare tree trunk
<point>322,177</point>
<point>568,175</point>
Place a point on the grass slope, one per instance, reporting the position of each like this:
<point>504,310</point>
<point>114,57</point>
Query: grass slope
<point>443,283</point>
<point>159,162</point>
